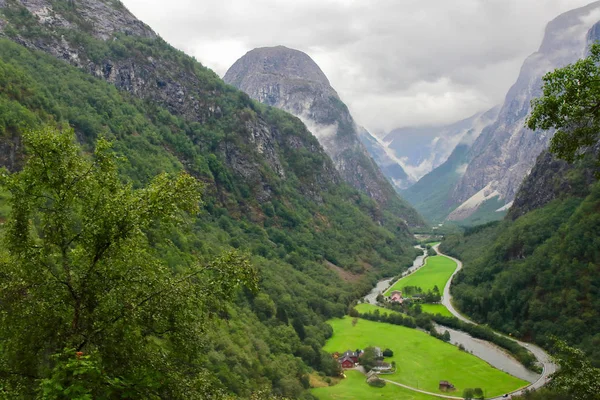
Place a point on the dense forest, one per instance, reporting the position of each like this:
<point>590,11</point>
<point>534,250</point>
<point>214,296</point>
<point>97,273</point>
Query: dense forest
<point>316,243</point>
<point>536,275</point>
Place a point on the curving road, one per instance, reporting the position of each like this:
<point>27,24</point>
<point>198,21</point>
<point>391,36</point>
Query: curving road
<point>543,358</point>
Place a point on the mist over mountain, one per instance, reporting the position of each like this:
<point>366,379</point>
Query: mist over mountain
<point>290,80</point>
<point>506,151</point>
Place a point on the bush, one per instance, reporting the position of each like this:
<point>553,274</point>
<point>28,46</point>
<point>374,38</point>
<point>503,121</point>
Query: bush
<point>388,353</point>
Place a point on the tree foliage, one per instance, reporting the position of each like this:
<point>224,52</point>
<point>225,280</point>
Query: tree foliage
<point>83,295</point>
<point>576,377</point>
<point>570,104</point>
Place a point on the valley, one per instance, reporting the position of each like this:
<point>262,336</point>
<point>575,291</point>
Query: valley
<point>179,225</point>
<point>422,361</point>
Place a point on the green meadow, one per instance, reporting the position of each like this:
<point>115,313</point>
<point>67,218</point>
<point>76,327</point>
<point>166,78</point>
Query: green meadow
<point>355,388</point>
<point>436,309</point>
<point>436,271</point>
<point>421,360</point>
<point>370,308</point>
<point>427,308</point>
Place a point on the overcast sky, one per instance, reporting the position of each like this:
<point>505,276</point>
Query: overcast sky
<point>394,62</point>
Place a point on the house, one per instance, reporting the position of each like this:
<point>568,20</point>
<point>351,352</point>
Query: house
<point>381,366</point>
<point>446,386</point>
<point>346,362</point>
<point>352,354</point>
<point>396,297</point>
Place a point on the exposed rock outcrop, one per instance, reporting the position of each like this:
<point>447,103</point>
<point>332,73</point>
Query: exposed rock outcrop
<point>290,80</point>
<point>506,151</point>
<point>104,39</point>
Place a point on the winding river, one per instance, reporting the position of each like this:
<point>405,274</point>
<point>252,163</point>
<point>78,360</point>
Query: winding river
<point>492,354</point>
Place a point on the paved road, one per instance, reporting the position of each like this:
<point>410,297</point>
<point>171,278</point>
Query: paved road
<point>543,358</point>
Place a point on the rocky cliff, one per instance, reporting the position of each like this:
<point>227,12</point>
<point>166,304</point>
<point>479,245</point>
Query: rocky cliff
<point>290,80</point>
<point>506,151</point>
<point>552,178</point>
<point>389,164</point>
<point>104,39</point>
<point>421,149</point>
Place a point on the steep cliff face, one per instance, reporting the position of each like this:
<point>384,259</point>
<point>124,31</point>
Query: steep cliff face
<point>290,80</point>
<point>389,164</point>
<point>506,151</point>
<point>422,149</point>
<point>104,39</point>
<point>552,178</point>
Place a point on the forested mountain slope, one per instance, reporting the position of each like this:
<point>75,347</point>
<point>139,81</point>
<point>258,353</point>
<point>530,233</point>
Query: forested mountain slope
<point>537,273</point>
<point>270,189</point>
<point>290,80</point>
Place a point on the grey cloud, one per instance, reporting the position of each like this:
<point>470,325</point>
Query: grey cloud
<point>394,62</point>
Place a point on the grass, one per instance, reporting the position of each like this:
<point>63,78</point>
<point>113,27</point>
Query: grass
<point>436,309</point>
<point>436,272</point>
<point>433,244</point>
<point>422,361</point>
<point>366,308</point>
<point>354,387</point>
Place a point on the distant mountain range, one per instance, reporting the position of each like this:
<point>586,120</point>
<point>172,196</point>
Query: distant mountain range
<point>484,178</point>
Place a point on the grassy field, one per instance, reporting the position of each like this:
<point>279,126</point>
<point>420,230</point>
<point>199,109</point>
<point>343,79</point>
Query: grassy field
<point>433,244</point>
<point>436,271</point>
<point>436,309</point>
<point>354,387</point>
<point>365,308</point>
<point>422,361</point>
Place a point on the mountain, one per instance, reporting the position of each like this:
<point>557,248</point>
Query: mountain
<point>389,165</point>
<point>290,80</point>
<point>536,274</point>
<point>506,151</point>
<point>421,149</point>
<point>270,192</point>
<point>431,194</point>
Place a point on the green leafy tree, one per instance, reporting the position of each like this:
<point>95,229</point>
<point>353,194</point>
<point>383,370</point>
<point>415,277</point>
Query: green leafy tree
<point>570,104</point>
<point>87,308</point>
<point>468,394</point>
<point>576,377</point>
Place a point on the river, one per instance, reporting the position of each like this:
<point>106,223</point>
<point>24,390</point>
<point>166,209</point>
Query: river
<point>488,352</point>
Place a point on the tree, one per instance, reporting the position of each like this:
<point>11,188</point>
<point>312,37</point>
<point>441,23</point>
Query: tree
<point>368,359</point>
<point>388,353</point>
<point>478,393</point>
<point>570,103</point>
<point>576,377</point>
<point>87,307</point>
<point>468,394</point>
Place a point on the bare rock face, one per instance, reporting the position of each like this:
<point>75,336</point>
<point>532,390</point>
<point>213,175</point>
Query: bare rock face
<point>506,151</point>
<point>290,80</point>
<point>552,178</point>
<point>104,39</point>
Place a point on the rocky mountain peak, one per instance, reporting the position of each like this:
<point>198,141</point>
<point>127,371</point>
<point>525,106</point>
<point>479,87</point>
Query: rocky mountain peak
<point>279,60</point>
<point>506,150</point>
<point>290,80</point>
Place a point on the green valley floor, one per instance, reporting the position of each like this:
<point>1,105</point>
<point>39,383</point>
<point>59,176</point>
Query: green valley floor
<point>422,361</point>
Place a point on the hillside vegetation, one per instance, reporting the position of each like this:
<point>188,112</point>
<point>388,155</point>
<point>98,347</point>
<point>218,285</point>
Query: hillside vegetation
<point>538,276</point>
<point>284,207</point>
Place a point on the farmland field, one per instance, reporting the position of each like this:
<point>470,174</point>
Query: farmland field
<point>436,309</point>
<point>354,387</point>
<point>436,271</point>
<point>422,361</point>
<point>366,308</point>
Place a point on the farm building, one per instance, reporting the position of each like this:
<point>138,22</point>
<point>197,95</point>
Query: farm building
<point>396,297</point>
<point>346,362</point>
<point>352,354</point>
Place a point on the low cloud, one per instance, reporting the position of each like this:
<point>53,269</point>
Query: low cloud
<point>395,63</point>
